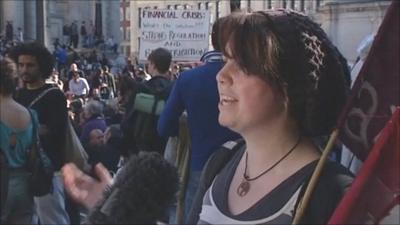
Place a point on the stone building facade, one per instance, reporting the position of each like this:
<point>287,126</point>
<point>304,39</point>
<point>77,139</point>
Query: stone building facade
<point>346,22</point>
<point>43,20</point>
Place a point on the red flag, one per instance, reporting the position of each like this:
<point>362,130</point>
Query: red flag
<point>374,197</point>
<point>375,93</point>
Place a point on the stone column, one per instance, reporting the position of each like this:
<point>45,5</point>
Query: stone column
<point>134,39</point>
<point>14,11</point>
<point>41,21</point>
<point>30,21</point>
<point>104,7</point>
<point>114,21</point>
<point>2,21</point>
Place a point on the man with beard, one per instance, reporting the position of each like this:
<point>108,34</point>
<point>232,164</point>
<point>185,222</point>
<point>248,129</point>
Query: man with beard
<point>35,64</point>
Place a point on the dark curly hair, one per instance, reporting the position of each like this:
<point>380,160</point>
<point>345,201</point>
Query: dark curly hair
<point>43,56</point>
<point>293,54</point>
<point>8,76</point>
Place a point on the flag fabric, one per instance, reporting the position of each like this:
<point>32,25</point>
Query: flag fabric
<point>374,197</point>
<point>375,93</point>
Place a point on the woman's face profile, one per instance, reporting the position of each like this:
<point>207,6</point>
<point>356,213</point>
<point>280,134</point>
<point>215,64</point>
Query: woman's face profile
<point>246,101</point>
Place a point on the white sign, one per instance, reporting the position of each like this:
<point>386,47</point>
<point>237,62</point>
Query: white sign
<point>183,32</point>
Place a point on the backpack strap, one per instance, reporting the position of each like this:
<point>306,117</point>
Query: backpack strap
<point>35,126</point>
<point>214,165</point>
<point>41,95</point>
<point>35,139</point>
<point>219,159</point>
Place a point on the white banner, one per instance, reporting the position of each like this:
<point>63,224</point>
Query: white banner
<point>183,32</point>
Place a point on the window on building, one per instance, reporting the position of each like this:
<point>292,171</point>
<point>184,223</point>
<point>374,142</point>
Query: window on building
<point>302,6</point>
<point>295,5</point>
<point>121,13</point>
<point>235,5</point>
<point>140,16</point>
<point>318,3</point>
<point>284,4</point>
<point>128,14</point>
<point>292,4</point>
<point>128,51</point>
<point>179,7</point>
<point>217,9</point>
<point>273,4</point>
<point>269,4</point>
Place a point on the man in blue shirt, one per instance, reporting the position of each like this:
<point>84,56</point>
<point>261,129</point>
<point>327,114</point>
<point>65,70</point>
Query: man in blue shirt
<point>196,92</point>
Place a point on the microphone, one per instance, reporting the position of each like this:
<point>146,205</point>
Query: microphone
<point>141,194</point>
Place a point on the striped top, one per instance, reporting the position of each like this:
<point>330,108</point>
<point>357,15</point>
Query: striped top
<point>278,206</point>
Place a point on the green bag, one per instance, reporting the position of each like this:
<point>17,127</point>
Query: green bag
<point>148,103</point>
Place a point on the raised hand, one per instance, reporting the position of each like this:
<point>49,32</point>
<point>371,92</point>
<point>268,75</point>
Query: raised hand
<point>83,188</point>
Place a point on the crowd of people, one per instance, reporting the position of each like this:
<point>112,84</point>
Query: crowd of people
<point>99,105</point>
<point>243,96</point>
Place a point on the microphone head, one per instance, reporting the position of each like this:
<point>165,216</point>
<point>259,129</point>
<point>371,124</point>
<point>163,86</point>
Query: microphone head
<point>141,194</point>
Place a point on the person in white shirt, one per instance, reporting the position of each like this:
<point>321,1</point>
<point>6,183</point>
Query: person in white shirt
<point>78,86</point>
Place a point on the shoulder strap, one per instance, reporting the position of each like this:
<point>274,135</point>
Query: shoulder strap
<point>41,95</point>
<point>33,154</point>
<point>214,165</point>
<point>220,158</point>
<point>35,127</point>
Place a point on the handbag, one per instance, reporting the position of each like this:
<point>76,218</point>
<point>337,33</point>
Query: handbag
<point>39,164</point>
<point>74,151</point>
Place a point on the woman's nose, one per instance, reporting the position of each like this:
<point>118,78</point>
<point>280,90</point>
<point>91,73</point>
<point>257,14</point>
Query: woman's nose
<point>222,76</point>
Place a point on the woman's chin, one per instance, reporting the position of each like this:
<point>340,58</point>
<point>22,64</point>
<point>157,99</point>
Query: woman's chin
<point>225,122</point>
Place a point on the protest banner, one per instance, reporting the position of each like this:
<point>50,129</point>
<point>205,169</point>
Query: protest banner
<point>374,197</point>
<point>185,33</point>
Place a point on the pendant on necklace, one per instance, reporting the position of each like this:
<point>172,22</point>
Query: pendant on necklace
<point>243,188</point>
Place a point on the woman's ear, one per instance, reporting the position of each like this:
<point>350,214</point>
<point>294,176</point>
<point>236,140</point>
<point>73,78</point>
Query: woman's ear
<point>285,100</point>
<point>282,97</point>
